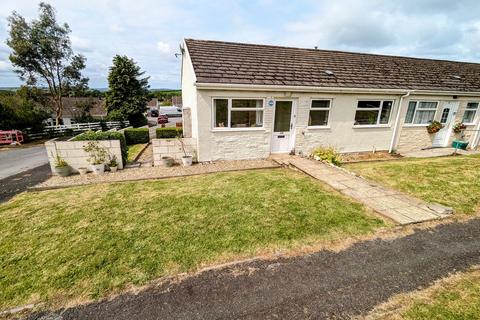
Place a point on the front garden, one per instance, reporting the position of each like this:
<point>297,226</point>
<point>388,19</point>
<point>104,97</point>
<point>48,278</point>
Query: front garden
<point>451,181</point>
<point>76,244</point>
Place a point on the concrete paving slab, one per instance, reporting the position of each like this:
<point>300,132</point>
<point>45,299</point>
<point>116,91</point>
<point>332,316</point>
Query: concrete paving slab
<point>399,207</point>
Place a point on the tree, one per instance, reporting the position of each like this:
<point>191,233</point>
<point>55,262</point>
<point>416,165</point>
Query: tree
<point>22,110</point>
<point>127,94</point>
<point>42,53</point>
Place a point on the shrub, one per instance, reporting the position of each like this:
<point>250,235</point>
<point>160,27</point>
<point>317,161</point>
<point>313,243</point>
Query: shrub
<point>108,135</point>
<point>137,135</point>
<point>98,154</point>
<point>166,133</point>
<point>327,154</point>
<point>137,120</point>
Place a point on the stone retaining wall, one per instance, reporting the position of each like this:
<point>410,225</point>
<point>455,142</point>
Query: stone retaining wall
<point>172,148</point>
<point>72,152</point>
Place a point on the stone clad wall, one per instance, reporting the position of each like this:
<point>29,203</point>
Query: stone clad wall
<point>172,148</point>
<point>76,157</point>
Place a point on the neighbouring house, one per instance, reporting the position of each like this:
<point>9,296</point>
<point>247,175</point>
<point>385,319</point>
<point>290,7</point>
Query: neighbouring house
<point>152,104</point>
<point>75,107</point>
<point>244,101</point>
<point>177,101</point>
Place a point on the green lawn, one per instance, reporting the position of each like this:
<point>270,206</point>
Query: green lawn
<point>451,181</point>
<point>86,242</point>
<point>134,150</point>
<point>457,300</point>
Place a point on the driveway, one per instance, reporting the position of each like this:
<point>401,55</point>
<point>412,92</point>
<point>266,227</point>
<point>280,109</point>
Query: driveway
<point>324,285</point>
<point>22,168</point>
<point>13,161</point>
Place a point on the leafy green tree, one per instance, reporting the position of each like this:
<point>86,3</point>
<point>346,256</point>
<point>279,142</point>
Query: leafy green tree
<point>42,53</point>
<point>127,94</point>
<point>22,110</point>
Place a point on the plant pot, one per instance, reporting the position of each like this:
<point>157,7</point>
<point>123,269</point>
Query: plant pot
<point>82,171</point>
<point>114,169</point>
<point>62,171</point>
<point>98,168</point>
<point>167,161</point>
<point>187,161</point>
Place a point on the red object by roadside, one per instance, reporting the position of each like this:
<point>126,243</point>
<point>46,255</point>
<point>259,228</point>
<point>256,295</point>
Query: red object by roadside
<point>11,136</point>
<point>163,118</point>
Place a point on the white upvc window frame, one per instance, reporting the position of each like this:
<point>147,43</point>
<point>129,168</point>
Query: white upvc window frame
<point>329,109</point>
<point>377,124</point>
<point>475,114</point>
<point>229,114</point>
<point>417,102</point>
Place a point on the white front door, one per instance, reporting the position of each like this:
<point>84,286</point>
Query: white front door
<point>447,118</point>
<point>283,127</point>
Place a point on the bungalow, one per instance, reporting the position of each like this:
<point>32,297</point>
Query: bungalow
<point>76,107</point>
<point>243,101</point>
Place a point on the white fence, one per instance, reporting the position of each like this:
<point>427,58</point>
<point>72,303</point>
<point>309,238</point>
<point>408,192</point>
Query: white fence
<point>77,128</point>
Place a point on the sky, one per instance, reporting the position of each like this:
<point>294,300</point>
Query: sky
<point>151,31</point>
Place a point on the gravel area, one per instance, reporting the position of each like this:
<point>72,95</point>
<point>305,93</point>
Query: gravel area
<point>144,173</point>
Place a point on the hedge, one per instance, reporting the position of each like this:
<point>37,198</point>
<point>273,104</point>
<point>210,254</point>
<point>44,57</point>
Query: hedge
<point>136,135</point>
<point>166,133</point>
<point>107,135</point>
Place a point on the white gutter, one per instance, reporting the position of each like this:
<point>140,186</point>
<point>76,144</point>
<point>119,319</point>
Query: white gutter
<point>254,87</point>
<point>397,121</point>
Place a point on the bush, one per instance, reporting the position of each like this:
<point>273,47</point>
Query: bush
<point>327,154</point>
<point>166,133</point>
<point>108,135</point>
<point>137,135</point>
<point>137,120</point>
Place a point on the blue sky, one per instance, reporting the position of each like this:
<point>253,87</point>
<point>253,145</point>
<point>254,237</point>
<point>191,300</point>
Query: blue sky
<point>151,31</point>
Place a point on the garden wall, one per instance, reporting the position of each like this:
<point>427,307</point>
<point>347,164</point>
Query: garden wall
<point>172,148</point>
<point>76,157</point>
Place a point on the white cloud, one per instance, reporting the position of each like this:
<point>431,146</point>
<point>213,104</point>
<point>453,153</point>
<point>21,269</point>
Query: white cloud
<point>81,44</point>
<point>163,47</point>
<point>5,66</point>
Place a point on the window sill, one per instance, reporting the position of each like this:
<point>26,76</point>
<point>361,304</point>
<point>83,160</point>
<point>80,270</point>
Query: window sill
<point>419,125</point>
<point>318,128</point>
<point>238,129</point>
<point>370,126</point>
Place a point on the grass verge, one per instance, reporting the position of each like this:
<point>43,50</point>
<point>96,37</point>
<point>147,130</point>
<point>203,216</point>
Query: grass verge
<point>451,181</point>
<point>86,242</point>
<point>456,297</point>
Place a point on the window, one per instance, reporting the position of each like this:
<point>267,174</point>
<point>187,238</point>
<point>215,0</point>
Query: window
<point>470,112</point>
<point>373,112</point>
<point>421,112</point>
<point>319,111</point>
<point>237,113</point>
<point>445,113</point>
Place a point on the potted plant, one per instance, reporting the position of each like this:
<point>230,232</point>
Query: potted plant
<point>186,159</point>
<point>98,156</point>
<point>82,171</point>
<point>458,127</point>
<point>434,127</point>
<point>61,167</point>
<point>113,164</point>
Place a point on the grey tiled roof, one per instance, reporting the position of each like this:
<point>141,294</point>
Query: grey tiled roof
<point>238,63</point>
